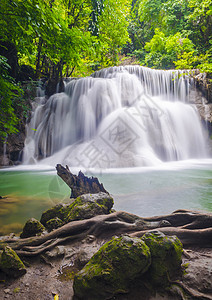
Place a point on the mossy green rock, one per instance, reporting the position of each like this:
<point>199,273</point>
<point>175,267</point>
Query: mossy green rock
<point>59,211</point>
<point>11,264</point>
<point>89,205</point>
<point>83,207</point>
<point>166,255</point>
<point>54,224</point>
<point>32,228</point>
<point>111,269</point>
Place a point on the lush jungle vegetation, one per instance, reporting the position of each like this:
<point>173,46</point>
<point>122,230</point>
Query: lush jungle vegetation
<point>55,38</point>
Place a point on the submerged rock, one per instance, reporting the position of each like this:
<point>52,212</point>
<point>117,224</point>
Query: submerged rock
<point>111,269</point>
<point>31,228</point>
<point>166,256</point>
<point>11,264</point>
<point>83,207</point>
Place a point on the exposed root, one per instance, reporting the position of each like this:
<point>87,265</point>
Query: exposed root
<point>106,226</point>
<point>194,294</point>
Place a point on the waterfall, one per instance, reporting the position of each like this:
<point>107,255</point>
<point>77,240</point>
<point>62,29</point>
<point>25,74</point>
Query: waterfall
<point>119,117</point>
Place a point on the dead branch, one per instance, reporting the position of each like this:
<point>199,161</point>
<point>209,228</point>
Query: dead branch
<point>79,184</point>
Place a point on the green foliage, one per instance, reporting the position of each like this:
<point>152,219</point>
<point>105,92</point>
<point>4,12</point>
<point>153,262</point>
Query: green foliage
<point>9,91</point>
<point>113,32</point>
<point>188,60</point>
<point>157,43</point>
<point>172,33</point>
<point>174,14</point>
<point>56,38</point>
<point>59,36</point>
<point>162,51</point>
<point>149,11</point>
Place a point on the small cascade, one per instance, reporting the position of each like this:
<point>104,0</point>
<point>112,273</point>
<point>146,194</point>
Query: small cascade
<point>119,117</point>
<point>172,84</point>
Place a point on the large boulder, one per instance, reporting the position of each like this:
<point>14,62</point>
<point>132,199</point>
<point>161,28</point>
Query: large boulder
<point>83,207</point>
<point>112,268</point>
<point>166,258</point>
<point>32,228</point>
<point>89,205</point>
<point>10,263</point>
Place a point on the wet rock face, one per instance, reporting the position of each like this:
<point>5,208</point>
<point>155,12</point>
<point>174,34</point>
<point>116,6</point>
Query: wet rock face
<point>83,207</point>
<point>204,84</point>
<point>32,228</point>
<point>11,264</point>
<point>10,153</point>
<point>111,269</point>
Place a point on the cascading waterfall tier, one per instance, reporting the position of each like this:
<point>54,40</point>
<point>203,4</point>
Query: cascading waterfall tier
<point>119,117</point>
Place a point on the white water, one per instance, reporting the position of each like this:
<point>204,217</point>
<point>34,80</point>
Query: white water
<point>121,117</point>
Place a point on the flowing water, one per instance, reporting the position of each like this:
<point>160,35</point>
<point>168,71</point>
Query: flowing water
<point>135,128</point>
<point>121,117</point>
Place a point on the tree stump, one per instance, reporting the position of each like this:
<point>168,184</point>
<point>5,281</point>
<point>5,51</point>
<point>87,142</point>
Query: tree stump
<point>79,184</point>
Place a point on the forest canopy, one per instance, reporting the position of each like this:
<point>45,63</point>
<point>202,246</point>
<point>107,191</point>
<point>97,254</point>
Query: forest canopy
<point>62,38</point>
<point>172,34</point>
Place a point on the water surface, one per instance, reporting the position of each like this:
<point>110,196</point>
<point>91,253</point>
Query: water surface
<point>29,190</point>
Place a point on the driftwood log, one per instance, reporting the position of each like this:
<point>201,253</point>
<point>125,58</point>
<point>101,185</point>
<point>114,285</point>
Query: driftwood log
<point>192,228</point>
<point>79,184</point>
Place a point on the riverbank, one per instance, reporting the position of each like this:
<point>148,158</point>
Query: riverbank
<point>52,274</point>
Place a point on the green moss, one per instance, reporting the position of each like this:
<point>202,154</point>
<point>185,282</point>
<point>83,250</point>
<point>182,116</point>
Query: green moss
<point>11,264</point>
<point>16,290</point>
<point>83,207</point>
<point>2,244</point>
<point>68,273</point>
<point>166,253</point>
<point>83,210</point>
<point>111,269</point>
<point>31,228</point>
<point>59,210</point>
<point>106,203</point>
<point>184,268</point>
<point>54,223</point>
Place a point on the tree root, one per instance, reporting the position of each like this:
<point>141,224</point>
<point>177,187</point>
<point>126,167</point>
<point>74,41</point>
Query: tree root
<point>194,294</point>
<point>106,226</point>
